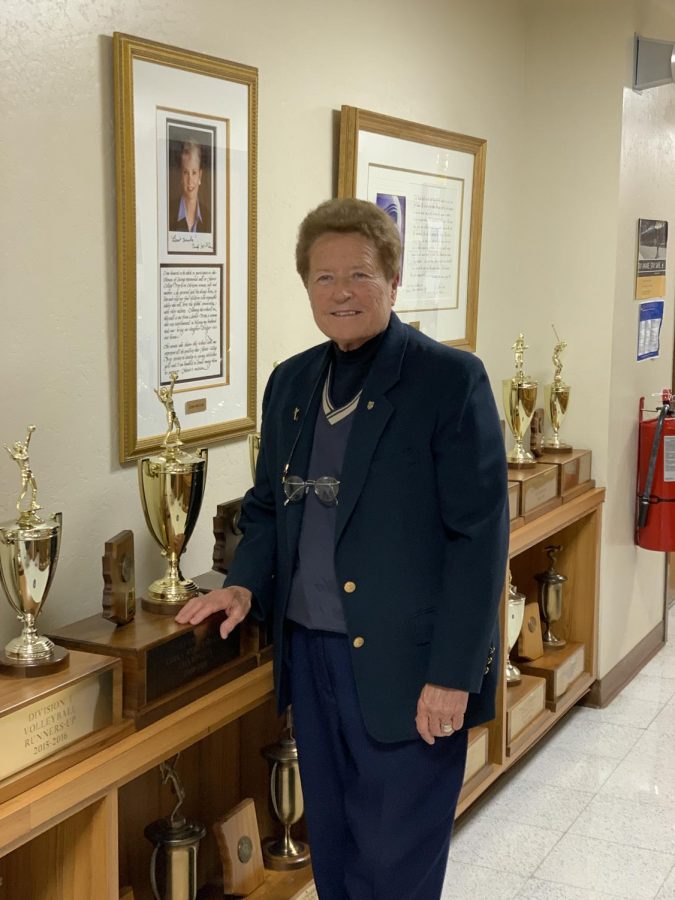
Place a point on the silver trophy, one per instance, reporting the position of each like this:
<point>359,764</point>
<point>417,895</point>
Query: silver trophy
<point>515,613</point>
<point>29,552</point>
<point>551,598</point>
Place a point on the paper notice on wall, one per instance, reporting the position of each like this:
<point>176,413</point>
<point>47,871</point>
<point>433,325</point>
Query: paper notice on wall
<point>649,329</point>
<point>651,262</point>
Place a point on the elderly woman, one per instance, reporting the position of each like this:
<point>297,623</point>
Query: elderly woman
<point>377,533</point>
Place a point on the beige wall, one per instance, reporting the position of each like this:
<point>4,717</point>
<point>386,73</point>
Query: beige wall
<point>573,161</point>
<point>57,342</point>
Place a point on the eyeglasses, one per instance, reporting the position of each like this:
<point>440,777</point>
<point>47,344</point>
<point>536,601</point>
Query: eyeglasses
<point>326,489</point>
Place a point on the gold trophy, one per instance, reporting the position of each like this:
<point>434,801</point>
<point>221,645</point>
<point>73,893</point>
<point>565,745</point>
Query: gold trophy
<point>287,801</point>
<point>172,488</point>
<point>520,398</point>
<point>515,613</point>
<point>29,552</point>
<point>551,599</point>
<point>556,398</point>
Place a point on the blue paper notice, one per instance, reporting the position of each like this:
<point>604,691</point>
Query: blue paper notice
<point>649,329</point>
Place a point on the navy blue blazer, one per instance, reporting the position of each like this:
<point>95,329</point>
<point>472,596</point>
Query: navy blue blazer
<point>421,537</point>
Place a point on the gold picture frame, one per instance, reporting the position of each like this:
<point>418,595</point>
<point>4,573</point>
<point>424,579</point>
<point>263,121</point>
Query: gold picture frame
<point>186,162</point>
<point>432,183</point>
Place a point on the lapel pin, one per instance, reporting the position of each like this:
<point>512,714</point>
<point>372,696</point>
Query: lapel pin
<point>296,413</point>
<point>370,404</point>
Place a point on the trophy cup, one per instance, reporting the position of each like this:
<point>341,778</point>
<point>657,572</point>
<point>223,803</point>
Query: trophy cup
<point>176,840</point>
<point>556,398</point>
<point>29,552</point>
<point>287,801</point>
<point>550,598</point>
<point>172,488</point>
<point>515,612</point>
<point>520,397</point>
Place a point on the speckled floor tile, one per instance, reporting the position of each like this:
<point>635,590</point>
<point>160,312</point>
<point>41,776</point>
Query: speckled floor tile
<point>664,723</point>
<point>510,847</point>
<point>531,802</point>
<point>653,688</point>
<point>535,889</point>
<point>631,711</point>
<point>667,892</point>
<point>597,865</point>
<point>628,822</point>
<point>589,734</point>
<point>663,664</point>
<point>562,767</point>
<point>465,882</point>
<point>647,773</point>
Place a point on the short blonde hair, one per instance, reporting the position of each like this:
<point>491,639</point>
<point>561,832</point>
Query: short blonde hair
<point>350,216</point>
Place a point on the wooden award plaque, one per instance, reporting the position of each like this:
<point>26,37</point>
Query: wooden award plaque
<point>515,519</point>
<point>530,643</point>
<point>119,591</point>
<point>165,665</point>
<point>240,851</point>
<point>525,703</point>
<point>477,752</point>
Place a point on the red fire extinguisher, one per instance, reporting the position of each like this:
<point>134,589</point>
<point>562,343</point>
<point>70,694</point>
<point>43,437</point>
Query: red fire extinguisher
<point>655,513</point>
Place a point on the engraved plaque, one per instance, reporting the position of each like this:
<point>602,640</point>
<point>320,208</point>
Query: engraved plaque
<point>559,667</point>
<point>539,489</point>
<point>175,663</point>
<point>195,406</point>
<point>477,752</point>
<point>525,701</point>
<point>44,717</point>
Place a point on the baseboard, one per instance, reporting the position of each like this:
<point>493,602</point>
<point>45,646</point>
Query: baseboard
<point>604,690</point>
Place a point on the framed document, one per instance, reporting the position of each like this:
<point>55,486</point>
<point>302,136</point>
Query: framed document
<point>186,139</point>
<point>431,183</point>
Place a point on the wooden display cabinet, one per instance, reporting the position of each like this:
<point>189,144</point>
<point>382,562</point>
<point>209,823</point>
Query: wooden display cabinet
<point>78,834</point>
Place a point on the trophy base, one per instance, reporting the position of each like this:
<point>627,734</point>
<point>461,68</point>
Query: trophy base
<point>513,675</point>
<point>276,854</point>
<point>551,447</point>
<point>33,668</point>
<point>521,463</point>
<point>551,642</point>
<point>166,598</point>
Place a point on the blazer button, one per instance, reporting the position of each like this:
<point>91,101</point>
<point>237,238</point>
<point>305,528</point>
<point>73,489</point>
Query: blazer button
<point>349,587</point>
<point>358,642</point>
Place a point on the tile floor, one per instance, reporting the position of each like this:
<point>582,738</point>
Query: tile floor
<point>589,814</point>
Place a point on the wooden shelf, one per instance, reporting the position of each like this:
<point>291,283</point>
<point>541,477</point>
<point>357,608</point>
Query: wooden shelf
<point>88,820</point>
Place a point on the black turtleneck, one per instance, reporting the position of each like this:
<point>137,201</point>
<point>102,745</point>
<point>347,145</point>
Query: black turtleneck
<point>350,368</point>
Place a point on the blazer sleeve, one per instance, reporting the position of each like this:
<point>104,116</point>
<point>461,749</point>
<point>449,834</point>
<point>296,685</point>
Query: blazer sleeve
<point>471,481</point>
<point>254,561</point>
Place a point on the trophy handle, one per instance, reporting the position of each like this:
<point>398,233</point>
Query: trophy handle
<point>153,877</point>
<point>273,793</point>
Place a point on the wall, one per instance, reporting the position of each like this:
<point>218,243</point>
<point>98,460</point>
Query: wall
<point>434,62</point>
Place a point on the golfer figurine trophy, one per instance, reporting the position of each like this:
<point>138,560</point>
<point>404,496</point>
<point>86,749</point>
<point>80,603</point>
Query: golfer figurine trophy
<point>29,552</point>
<point>172,488</point>
<point>520,399</point>
<point>173,866</point>
<point>556,398</point>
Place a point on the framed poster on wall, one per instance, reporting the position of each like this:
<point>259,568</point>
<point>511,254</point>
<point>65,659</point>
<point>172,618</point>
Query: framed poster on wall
<point>186,145</point>
<point>431,183</point>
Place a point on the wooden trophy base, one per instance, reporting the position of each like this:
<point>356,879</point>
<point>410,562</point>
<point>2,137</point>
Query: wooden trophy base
<point>20,668</point>
<point>165,665</point>
<point>51,722</point>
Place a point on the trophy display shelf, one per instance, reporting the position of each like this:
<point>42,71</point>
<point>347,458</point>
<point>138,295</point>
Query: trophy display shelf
<point>560,669</point>
<point>48,723</point>
<point>574,472</point>
<point>538,490</point>
<point>165,665</point>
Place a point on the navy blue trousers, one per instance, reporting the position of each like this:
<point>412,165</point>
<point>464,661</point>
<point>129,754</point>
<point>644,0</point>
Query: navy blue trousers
<point>379,815</point>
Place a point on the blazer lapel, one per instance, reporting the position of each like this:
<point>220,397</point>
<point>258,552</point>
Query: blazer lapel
<point>299,415</point>
<point>373,413</point>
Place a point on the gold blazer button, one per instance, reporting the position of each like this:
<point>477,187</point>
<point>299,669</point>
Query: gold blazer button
<point>349,587</point>
<point>358,642</point>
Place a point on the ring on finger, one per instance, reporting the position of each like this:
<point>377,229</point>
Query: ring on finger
<point>446,728</point>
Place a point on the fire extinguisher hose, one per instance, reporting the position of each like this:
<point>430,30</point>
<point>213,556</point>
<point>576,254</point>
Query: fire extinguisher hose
<point>644,499</point>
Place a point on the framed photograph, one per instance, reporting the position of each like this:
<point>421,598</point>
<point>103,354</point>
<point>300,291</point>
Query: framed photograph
<point>186,147</point>
<point>431,183</point>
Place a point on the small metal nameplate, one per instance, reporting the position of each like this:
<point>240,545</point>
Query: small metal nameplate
<point>195,406</point>
<point>186,656</point>
<point>53,722</point>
